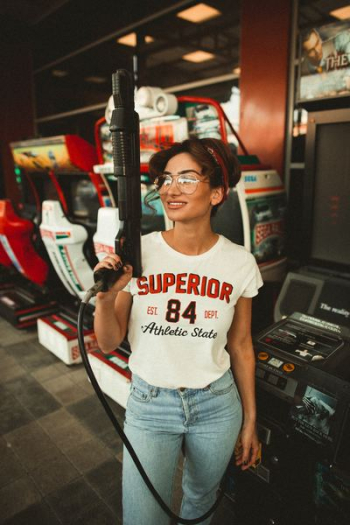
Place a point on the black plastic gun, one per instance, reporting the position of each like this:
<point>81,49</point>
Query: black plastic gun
<point>125,131</point>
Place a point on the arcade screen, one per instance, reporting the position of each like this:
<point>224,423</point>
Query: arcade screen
<point>330,232</point>
<point>313,414</point>
<point>327,189</point>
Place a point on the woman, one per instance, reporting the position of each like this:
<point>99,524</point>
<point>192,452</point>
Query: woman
<point>188,322</point>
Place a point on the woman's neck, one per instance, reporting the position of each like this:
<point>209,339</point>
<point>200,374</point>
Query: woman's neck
<point>190,241</point>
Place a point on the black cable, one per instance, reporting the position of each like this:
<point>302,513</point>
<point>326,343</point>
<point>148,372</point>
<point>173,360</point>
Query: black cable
<point>90,293</point>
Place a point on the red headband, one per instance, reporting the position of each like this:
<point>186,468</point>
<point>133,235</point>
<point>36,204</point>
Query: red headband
<point>219,161</point>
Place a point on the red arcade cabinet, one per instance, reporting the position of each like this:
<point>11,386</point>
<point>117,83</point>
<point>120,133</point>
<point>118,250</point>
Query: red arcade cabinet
<point>67,225</point>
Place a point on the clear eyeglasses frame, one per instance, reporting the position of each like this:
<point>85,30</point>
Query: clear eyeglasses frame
<point>186,183</point>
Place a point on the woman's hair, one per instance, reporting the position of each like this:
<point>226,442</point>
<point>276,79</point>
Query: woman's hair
<point>216,159</point>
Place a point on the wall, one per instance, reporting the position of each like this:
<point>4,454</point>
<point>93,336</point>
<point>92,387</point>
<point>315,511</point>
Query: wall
<point>265,35</point>
<point>16,100</point>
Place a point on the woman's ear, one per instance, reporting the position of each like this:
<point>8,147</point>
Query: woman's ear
<point>217,196</point>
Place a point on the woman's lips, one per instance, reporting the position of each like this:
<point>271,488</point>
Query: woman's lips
<point>175,204</point>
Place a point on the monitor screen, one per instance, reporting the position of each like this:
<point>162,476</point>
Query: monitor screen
<point>331,217</point>
<point>313,414</point>
<point>327,190</point>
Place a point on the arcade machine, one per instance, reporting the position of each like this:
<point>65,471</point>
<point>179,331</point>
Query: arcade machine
<point>303,360</point>
<point>28,284</point>
<point>67,224</point>
<point>253,214</point>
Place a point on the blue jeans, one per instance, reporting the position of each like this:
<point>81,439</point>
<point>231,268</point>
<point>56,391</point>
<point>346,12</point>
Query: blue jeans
<point>158,423</point>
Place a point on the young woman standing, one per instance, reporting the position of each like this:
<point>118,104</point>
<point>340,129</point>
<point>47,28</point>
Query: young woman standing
<point>188,321</point>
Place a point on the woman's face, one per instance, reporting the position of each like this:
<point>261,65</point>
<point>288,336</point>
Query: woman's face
<point>183,207</point>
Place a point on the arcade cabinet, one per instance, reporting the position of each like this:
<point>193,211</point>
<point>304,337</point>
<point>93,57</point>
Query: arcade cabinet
<point>23,301</point>
<point>253,214</point>
<point>67,222</point>
<point>28,282</point>
<point>303,360</point>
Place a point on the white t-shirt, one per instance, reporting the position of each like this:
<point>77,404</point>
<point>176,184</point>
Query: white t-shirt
<point>183,306</point>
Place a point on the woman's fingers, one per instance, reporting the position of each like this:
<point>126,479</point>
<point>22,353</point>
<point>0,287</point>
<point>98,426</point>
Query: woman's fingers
<point>247,456</point>
<point>112,261</point>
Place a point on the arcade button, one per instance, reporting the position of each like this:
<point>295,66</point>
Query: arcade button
<point>263,356</point>
<point>288,367</point>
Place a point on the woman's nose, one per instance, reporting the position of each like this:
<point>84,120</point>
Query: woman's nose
<point>173,188</point>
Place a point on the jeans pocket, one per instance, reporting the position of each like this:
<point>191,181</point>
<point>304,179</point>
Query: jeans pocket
<point>142,391</point>
<point>223,385</point>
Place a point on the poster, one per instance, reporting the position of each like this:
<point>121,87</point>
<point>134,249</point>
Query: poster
<point>324,62</point>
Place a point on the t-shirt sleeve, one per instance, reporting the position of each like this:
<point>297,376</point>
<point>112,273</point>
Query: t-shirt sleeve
<point>253,280</point>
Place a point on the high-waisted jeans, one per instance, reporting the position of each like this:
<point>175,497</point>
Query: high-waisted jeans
<point>159,422</point>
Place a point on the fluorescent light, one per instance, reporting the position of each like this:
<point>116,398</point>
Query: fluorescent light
<point>59,73</point>
<point>198,56</point>
<point>342,13</point>
<point>128,40</point>
<point>95,80</point>
<point>198,13</point>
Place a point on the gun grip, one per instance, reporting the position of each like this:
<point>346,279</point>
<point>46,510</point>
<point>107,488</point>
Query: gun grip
<point>107,277</point>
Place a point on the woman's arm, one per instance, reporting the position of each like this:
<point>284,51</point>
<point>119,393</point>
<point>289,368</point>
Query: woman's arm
<point>112,308</point>
<point>240,347</point>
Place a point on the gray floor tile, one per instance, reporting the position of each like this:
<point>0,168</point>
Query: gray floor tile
<point>112,440</point>
<point>64,429</point>
<point>105,479</point>
<point>89,455</point>
<point>11,372</point>
<point>47,372</point>
<point>38,514</point>
<point>31,445</point>
<point>13,415</point>
<point>20,385</point>
<point>65,390</point>
<point>31,355</point>
<point>114,502</point>
<point>72,501</point>
<point>10,335</point>
<point>38,401</point>
<point>17,496</point>
<point>10,466</point>
<point>90,412</point>
<point>54,474</point>
<point>99,515</point>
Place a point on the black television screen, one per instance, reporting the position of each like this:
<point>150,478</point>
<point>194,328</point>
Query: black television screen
<point>327,189</point>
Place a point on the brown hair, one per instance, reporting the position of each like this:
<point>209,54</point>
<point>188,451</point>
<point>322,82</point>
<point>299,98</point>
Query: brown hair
<point>215,157</point>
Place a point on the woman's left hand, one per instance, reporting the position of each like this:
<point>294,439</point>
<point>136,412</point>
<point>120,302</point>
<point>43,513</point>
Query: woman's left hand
<point>247,446</point>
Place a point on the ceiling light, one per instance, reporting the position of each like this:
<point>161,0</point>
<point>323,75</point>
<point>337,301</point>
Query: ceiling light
<point>59,73</point>
<point>236,70</point>
<point>199,13</point>
<point>149,39</point>
<point>342,13</point>
<point>128,40</point>
<point>95,80</point>
<point>198,56</point>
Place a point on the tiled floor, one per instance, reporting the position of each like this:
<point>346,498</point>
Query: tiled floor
<point>60,457</point>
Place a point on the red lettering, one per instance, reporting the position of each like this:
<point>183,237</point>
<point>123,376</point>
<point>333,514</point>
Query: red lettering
<point>181,281</point>
<point>155,283</point>
<point>142,285</point>
<point>213,288</point>
<point>203,286</point>
<point>226,291</point>
<point>193,282</point>
<point>168,280</point>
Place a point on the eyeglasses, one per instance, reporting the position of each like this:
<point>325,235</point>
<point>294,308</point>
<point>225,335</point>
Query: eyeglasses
<point>185,182</point>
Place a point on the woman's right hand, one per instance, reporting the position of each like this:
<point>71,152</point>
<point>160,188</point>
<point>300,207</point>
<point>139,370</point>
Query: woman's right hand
<point>113,262</point>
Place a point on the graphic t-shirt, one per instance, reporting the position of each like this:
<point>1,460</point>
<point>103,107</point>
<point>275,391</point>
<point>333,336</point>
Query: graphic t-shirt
<point>183,306</point>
